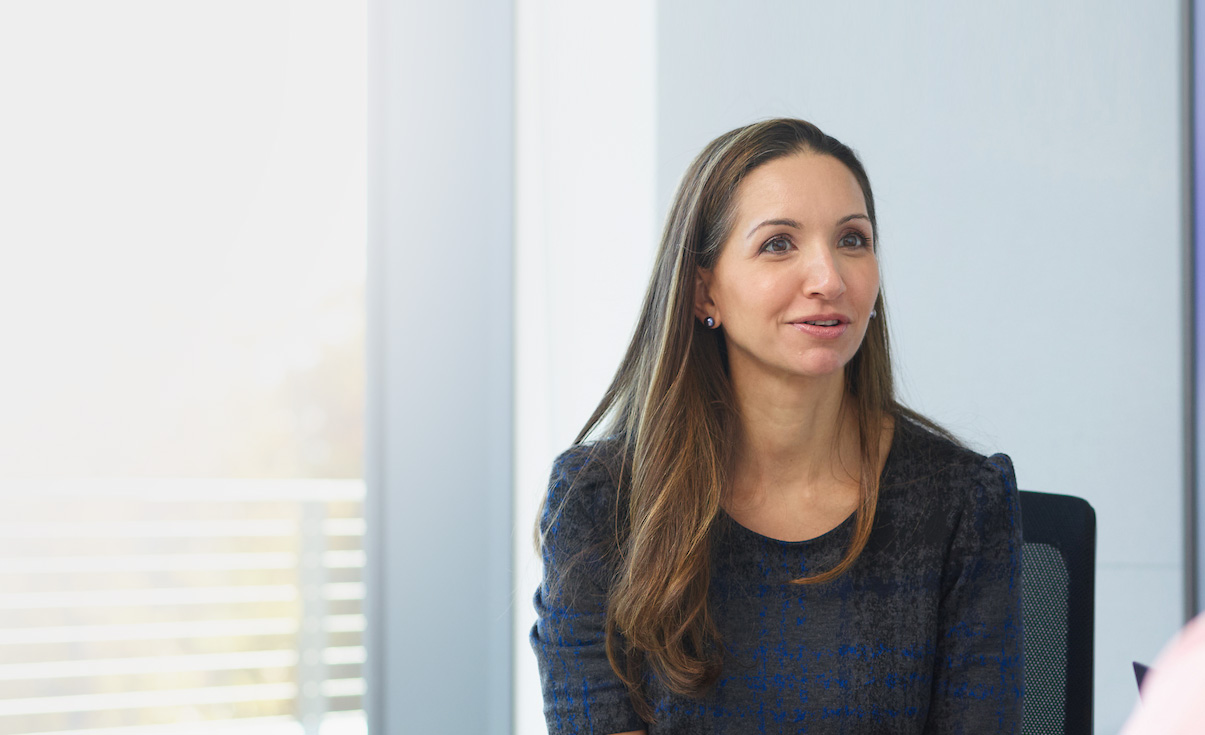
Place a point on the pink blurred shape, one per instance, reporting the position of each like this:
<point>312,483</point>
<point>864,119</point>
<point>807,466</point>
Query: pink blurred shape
<point>1172,701</point>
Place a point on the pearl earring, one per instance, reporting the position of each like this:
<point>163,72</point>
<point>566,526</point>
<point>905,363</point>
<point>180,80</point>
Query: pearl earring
<point>873,313</point>
<point>709,322</point>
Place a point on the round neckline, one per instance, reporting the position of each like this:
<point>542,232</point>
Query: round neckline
<point>847,521</point>
<point>745,530</point>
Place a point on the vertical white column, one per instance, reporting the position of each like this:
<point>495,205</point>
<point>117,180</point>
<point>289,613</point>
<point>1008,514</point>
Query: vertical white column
<point>440,288</point>
<point>585,233</point>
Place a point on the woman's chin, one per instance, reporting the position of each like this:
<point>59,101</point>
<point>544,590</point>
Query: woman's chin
<point>813,371</point>
<point>810,366</point>
<point>820,366</point>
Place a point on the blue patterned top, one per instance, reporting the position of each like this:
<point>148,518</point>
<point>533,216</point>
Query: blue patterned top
<point>922,635</point>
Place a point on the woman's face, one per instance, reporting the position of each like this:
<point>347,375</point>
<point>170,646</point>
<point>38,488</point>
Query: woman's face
<point>796,280</point>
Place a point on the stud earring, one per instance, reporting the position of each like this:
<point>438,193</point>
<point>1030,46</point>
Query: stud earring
<point>709,322</point>
<point>873,313</point>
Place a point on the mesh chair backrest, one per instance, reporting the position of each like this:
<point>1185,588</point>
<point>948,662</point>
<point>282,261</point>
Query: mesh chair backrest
<point>1044,610</point>
<point>1058,601</point>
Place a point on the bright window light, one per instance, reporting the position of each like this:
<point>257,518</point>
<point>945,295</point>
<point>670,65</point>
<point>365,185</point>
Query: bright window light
<point>182,257</point>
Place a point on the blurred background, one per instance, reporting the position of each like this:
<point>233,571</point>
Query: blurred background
<point>182,222</point>
<point>300,298</point>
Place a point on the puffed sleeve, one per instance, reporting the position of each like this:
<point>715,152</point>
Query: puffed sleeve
<point>978,678</point>
<point>581,692</point>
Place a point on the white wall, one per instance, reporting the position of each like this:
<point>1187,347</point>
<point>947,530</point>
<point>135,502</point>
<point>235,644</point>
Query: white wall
<point>1025,158</point>
<point>583,246</point>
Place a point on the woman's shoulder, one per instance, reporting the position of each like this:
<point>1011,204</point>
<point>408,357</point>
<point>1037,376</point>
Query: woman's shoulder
<point>947,490</point>
<point>591,459</point>
<point>923,454</point>
<point>583,489</point>
<point>580,520</point>
<point>597,467</point>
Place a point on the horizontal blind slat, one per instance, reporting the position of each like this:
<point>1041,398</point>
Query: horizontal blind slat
<point>150,530</point>
<point>155,631</point>
<point>132,598</point>
<point>154,698</point>
<point>146,563</point>
<point>336,723</point>
<point>147,665</point>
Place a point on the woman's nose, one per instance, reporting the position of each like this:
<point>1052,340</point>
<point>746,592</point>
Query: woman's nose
<point>822,277</point>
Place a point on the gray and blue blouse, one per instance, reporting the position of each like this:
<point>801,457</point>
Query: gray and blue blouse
<point>922,635</point>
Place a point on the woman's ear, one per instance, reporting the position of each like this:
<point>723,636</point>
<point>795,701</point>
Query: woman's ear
<point>704,304</point>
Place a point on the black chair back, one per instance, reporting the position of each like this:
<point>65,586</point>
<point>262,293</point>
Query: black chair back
<point>1058,601</point>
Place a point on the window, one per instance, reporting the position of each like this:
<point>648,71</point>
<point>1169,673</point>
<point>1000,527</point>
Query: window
<point>181,299</point>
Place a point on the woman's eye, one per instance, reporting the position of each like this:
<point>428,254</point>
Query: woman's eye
<point>776,245</point>
<point>853,240</point>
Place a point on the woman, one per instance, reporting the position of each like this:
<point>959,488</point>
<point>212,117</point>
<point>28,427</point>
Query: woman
<point>766,540</point>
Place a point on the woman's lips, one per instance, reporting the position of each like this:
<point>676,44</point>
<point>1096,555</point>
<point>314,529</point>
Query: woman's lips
<point>822,332</point>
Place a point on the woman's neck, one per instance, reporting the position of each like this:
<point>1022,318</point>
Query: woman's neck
<point>796,436</point>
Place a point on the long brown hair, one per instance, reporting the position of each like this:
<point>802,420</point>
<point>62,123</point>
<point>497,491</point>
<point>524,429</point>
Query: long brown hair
<point>670,407</point>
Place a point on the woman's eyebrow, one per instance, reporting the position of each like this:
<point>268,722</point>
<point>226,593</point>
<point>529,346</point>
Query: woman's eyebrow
<point>796,225</point>
<point>787,222</point>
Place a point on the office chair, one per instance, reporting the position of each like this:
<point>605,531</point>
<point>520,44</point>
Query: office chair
<point>1058,580</point>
